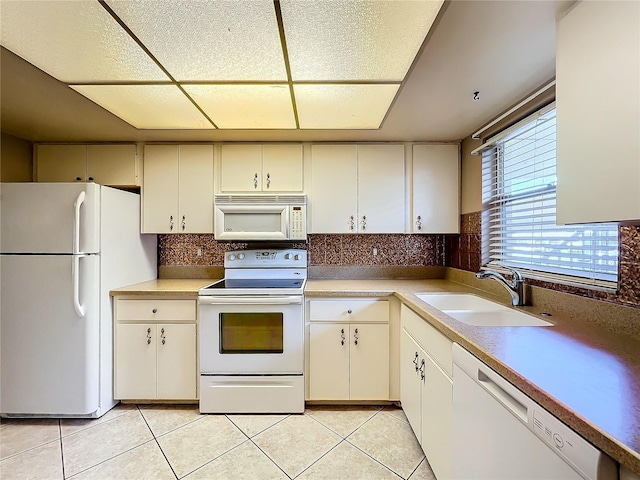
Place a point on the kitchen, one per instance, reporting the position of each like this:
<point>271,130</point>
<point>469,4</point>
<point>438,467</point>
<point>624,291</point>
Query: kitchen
<point>370,255</point>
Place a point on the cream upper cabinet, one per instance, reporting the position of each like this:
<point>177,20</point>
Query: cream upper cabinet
<point>104,164</point>
<point>177,195</point>
<point>598,113</point>
<point>357,189</point>
<point>435,189</point>
<point>334,195</point>
<point>261,168</point>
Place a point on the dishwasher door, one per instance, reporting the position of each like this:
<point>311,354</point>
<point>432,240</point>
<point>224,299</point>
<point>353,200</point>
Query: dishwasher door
<point>500,433</point>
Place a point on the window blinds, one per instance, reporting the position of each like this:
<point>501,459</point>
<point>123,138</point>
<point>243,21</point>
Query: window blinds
<point>519,210</point>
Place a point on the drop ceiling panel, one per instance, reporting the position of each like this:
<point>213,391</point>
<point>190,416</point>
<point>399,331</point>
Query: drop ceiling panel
<point>349,40</point>
<point>343,106</point>
<point>147,106</point>
<point>216,40</point>
<point>74,41</point>
<point>245,106</point>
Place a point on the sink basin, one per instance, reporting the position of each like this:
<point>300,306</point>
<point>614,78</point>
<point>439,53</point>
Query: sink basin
<point>459,301</point>
<point>497,318</point>
<point>479,312</point>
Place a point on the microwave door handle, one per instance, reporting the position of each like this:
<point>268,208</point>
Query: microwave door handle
<point>292,300</point>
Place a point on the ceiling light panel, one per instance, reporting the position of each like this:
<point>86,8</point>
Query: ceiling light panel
<point>218,40</point>
<point>343,106</point>
<point>147,106</point>
<point>74,41</point>
<point>355,40</point>
<point>245,106</point>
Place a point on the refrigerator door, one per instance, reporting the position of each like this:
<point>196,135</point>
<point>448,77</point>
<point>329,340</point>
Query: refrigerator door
<point>49,354</point>
<point>50,218</point>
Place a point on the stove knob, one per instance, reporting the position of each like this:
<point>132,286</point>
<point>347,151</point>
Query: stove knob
<point>287,256</point>
<point>232,257</point>
<point>240,256</point>
<point>296,257</point>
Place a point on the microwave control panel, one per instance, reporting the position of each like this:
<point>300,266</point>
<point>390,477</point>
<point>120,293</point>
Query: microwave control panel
<point>297,223</point>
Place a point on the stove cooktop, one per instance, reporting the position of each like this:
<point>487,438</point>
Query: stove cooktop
<point>255,283</point>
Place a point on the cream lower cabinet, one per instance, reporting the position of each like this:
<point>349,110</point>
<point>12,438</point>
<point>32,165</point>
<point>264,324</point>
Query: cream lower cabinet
<point>155,350</point>
<point>426,388</point>
<point>349,350</point>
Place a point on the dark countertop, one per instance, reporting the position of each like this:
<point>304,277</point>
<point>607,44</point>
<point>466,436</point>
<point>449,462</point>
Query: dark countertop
<point>585,375</point>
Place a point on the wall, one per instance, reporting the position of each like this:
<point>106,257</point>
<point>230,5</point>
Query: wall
<point>16,159</point>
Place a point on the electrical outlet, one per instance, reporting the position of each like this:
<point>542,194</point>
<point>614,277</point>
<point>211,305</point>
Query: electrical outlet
<point>375,251</point>
<point>199,252</point>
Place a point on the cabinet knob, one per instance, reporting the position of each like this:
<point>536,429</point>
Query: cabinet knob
<point>349,311</point>
<point>78,179</point>
<point>155,310</point>
<point>91,179</point>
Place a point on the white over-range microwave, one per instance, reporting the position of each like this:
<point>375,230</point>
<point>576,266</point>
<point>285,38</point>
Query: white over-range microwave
<point>247,217</point>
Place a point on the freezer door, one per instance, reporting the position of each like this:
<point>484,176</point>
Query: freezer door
<point>50,217</point>
<point>49,354</point>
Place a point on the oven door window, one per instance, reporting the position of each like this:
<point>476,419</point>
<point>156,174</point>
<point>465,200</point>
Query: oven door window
<point>251,333</point>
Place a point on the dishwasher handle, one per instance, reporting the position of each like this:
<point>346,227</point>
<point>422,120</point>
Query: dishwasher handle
<point>501,395</point>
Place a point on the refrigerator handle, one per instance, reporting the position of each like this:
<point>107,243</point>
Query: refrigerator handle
<point>76,285</point>
<point>76,226</point>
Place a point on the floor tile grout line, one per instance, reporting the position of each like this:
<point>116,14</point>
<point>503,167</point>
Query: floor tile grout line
<point>201,417</point>
<point>350,433</point>
<point>109,459</point>
<point>61,447</point>
<point>261,431</point>
<point>215,458</point>
<point>155,439</point>
<point>378,461</point>
<point>342,440</point>
<point>29,449</point>
<point>104,422</point>
<point>271,459</point>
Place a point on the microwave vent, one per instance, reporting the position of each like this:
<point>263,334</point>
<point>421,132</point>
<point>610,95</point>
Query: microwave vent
<point>286,199</point>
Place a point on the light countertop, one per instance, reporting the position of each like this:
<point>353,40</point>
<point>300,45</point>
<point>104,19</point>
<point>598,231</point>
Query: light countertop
<point>585,375</point>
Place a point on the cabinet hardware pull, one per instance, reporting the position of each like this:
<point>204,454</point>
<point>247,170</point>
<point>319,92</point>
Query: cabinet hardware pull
<point>255,181</point>
<point>415,362</point>
<point>342,337</point>
<point>149,336</point>
<point>268,180</point>
<point>419,222</point>
<point>352,223</point>
<point>162,336</point>
<point>171,222</point>
<point>184,221</point>
<point>422,366</point>
<point>364,223</point>
<point>355,337</point>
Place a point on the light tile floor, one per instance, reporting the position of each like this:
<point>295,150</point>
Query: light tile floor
<point>175,442</point>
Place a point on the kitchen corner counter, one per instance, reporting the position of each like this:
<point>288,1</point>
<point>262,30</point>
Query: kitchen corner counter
<point>586,376</point>
<point>170,287</point>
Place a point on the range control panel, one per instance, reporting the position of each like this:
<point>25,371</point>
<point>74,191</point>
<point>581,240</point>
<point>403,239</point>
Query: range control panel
<point>268,258</point>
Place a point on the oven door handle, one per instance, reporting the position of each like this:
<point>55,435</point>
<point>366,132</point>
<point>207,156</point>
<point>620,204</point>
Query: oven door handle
<point>287,300</point>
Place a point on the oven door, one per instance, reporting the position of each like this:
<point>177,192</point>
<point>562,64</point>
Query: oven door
<point>251,335</point>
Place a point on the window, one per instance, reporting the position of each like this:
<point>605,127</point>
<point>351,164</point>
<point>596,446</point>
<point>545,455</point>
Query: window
<point>519,211</point>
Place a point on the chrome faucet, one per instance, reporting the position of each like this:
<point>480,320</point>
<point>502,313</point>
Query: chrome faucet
<point>515,287</point>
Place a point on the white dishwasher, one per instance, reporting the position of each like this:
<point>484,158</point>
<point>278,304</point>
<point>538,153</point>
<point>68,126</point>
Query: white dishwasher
<point>501,434</point>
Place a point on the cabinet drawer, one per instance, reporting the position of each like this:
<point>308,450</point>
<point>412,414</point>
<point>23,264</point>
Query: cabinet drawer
<point>434,343</point>
<point>349,310</point>
<point>156,310</point>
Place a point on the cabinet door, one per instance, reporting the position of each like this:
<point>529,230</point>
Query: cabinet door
<point>61,163</point>
<point>369,362</point>
<point>176,361</point>
<point>241,168</point>
<point>135,361</point>
<point>410,383</point>
<point>437,410</point>
<point>334,176</point>
<point>112,165</point>
<point>435,196</point>
<point>282,168</point>
<point>598,113</point>
<point>381,202</point>
<point>160,189</point>
<point>328,361</point>
<point>195,189</point>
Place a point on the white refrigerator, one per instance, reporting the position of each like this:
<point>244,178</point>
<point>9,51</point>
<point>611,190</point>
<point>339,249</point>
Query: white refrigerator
<point>63,247</point>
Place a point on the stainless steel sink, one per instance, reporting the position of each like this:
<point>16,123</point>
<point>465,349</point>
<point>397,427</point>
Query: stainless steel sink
<point>476,311</point>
